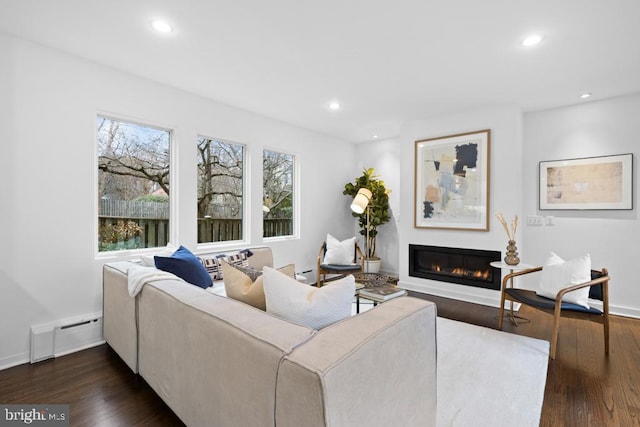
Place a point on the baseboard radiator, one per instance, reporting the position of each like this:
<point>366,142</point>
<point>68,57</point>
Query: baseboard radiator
<point>65,336</point>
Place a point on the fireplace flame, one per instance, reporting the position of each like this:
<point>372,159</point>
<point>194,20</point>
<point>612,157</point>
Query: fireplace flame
<point>460,271</point>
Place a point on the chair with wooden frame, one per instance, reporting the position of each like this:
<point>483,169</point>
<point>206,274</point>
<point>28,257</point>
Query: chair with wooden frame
<point>598,289</point>
<point>341,270</point>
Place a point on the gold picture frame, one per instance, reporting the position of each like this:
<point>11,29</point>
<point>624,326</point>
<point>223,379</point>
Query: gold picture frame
<point>452,181</point>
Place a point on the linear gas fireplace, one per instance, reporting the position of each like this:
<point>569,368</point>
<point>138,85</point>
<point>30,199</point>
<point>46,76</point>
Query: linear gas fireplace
<point>455,265</point>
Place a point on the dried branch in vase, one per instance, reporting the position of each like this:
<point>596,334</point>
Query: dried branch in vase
<point>511,231</point>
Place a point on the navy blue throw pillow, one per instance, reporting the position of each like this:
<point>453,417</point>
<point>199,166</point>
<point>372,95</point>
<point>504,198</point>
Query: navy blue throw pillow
<point>185,265</point>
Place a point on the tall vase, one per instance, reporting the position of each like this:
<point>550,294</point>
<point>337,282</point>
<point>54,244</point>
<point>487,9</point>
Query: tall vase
<point>511,257</point>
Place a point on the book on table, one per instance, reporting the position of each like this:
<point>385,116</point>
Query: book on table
<point>382,292</point>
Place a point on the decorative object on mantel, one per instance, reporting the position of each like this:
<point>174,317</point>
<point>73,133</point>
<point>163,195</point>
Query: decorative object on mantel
<point>371,206</point>
<point>511,257</point>
<point>452,181</point>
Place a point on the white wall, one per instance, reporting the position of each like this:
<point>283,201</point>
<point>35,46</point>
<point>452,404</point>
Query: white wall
<point>611,237</point>
<point>505,194</point>
<point>48,269</point>
<point>384,157</point>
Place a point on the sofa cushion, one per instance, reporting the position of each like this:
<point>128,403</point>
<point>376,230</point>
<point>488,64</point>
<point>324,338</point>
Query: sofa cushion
<point>558,273</point>
<point>241,287</point>
<point>185,265</point>
<point>339,252</point>
<point>307,305</point>
<point>213,264</point>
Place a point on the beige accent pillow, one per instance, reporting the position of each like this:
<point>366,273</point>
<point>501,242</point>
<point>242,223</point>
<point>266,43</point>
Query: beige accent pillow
<point>240,287</point>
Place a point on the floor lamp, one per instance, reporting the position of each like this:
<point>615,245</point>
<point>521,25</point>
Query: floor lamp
<point>359,205</point>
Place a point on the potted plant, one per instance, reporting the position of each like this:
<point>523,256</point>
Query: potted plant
<point>377,212</point>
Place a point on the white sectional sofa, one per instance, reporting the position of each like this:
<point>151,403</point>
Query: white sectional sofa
<point>219,362</point>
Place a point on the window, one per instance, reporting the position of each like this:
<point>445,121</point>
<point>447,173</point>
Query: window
<point>220,190</point>
<point>278,191</point>
<point>133,185</point>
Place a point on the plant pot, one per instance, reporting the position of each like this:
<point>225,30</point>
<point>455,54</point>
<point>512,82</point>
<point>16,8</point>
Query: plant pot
<point>372,265</point>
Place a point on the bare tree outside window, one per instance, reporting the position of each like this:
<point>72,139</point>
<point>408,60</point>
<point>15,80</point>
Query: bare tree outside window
<point>278,191</point>
<point>133,185</point>
<point>220,190</point>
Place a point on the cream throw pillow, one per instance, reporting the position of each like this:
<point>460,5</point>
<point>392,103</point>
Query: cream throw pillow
<point>239,286</point>
<point>167,251</point>
<point>307,305</point>
<point>339,252</point>
<point>558,273</point>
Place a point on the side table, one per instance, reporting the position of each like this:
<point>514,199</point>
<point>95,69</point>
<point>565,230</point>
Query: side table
<point>504,266</point>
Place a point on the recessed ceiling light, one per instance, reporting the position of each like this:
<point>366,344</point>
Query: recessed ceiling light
<point>585,95</point>
<point>375,136</point>
<point>532,40</point>
<point>334,105</point>
<point>161,26</point>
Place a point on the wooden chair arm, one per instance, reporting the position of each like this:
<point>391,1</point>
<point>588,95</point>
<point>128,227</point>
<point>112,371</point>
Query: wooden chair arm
<point>321,255</point>
<point>590,283</point>
<point>562,291</point>
<point>321,252</point>
<point>509,276</point>
<point>361,255</point>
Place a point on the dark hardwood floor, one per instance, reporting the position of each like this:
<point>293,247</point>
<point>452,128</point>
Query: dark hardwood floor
<point>584,387</point>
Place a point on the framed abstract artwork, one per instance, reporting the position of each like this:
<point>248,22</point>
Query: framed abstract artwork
<point>452,181</point>
<point>590,183</point>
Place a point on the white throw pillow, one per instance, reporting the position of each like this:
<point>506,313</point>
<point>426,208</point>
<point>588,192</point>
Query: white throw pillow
<point>339,252</point>
<point>558,273</point>
<point>167,251</point>
<point>307,305</point>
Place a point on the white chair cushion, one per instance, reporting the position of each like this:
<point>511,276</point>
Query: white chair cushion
<point>339,252</point>
<point>558,273</point>
<point>307,305</point>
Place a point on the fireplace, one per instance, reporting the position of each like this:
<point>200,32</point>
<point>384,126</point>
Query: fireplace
<point>455,265</point>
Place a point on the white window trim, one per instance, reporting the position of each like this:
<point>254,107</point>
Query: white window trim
<point>296,198</point>
<point>128,254</point>
<point>246,194</point>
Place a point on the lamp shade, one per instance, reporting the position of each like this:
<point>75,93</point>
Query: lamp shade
<point>361,200</point>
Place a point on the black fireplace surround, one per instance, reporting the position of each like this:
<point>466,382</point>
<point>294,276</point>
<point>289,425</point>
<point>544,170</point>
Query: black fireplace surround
<point>455,265</point>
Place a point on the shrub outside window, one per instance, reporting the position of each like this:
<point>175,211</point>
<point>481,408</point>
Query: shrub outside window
<point>133,185</point>
<point>278,194</point>
<point>220,190</point>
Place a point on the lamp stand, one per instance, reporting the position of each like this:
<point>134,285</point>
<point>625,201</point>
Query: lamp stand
<point>366,245</point>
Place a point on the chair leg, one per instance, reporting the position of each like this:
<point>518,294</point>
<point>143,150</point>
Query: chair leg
<point>605,301</point>
<point>606,332</point>
<point>556,327</point>
<point>501,317</point>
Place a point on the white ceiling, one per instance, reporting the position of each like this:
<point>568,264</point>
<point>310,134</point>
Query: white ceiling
<point>385,62</point>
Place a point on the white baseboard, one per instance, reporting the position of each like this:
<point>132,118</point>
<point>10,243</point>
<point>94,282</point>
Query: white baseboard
<point>14,360</point>
<point>425,288</point>
<point>453,294</point>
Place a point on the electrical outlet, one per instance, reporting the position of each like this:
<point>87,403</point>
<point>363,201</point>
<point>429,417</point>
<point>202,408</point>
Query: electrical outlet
<point>535,220</point>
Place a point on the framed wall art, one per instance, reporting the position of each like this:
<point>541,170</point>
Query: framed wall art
<point>452,181</point>
<point>590,183</point>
